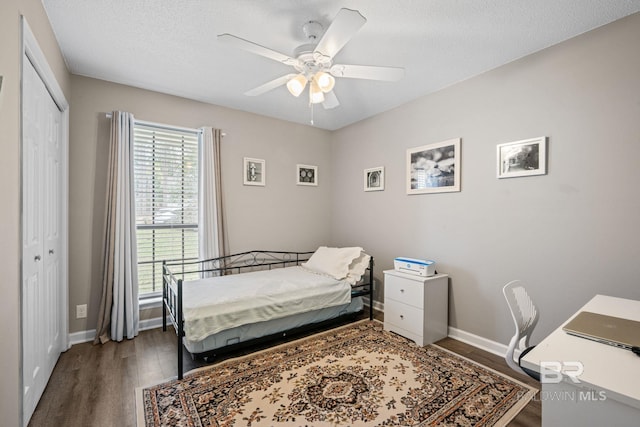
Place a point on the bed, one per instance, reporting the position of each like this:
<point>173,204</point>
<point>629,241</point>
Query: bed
<point>221,304</point>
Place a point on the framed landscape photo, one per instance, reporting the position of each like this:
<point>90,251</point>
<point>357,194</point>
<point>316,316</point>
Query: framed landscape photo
<point>254,171</point>
<point>522,158</point>
<point>374,179</point>
<point>306,175</point>
<point>434,168</point>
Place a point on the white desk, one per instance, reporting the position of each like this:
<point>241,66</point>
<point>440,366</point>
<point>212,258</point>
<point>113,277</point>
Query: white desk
<point>608,392</point>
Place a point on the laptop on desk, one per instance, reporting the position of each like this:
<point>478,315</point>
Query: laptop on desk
<point>609,330</point>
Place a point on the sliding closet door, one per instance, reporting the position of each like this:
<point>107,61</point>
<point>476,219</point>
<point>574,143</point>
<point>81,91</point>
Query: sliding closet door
<point>41,231</point>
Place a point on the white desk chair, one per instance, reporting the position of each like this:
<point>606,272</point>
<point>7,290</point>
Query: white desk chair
<point>525,317</point>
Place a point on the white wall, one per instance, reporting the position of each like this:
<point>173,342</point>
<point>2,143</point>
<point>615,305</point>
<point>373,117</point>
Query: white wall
<point>279,216</point>
<point>569,234</point>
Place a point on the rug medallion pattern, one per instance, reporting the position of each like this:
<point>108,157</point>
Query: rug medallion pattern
<point>358,375</point>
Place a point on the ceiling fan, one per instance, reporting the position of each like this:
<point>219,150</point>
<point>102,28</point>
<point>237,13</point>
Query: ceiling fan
<point>313,61</point>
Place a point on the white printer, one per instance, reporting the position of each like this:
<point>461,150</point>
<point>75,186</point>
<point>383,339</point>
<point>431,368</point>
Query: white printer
<point>419,267</point>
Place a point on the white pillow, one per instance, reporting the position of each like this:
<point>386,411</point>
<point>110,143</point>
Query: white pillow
<point>357,268</point>
<point>332,261</point>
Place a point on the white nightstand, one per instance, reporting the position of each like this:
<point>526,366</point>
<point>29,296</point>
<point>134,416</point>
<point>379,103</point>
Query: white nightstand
<point>416,307</point>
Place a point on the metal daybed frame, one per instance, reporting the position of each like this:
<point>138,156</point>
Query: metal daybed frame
<point>173,275</point>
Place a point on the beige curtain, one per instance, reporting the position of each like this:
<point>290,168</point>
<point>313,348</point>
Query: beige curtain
<point>211,224</point>
<point>119,316</point>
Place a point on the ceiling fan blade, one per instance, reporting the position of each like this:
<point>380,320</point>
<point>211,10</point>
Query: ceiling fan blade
<point>252,47</point>
<point>344,26</point>
<point>330,101</point>
<point>270,85</point>
<point>390,74</point>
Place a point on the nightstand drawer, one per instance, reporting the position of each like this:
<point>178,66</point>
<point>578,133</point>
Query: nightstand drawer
<point>405,291</point>
<point>404,316</point>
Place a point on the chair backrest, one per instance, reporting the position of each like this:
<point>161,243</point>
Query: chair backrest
<point>525,318</point>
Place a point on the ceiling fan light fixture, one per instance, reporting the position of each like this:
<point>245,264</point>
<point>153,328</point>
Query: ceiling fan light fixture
<point>297,84</point>
<point>326,81</point>
<point>313,61</point>
<point>316,96</point>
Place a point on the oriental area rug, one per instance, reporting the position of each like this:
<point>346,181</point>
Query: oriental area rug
<point>356,375</point>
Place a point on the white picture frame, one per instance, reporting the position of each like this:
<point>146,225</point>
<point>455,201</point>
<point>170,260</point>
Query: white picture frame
<point>374,179</point>
<point>527,157</point>
<point>434,168</point>
<point>254,171</point>
<point>307,175</point>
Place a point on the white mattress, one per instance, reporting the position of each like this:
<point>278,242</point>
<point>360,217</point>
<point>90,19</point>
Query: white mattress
<point>261,329</point>
<point>215,304</point>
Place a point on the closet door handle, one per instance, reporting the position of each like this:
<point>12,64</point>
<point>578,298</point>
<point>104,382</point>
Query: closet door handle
<point>37,258</point>
<point>51,251</point>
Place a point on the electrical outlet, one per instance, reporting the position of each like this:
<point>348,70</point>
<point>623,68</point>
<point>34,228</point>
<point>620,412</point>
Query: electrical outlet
<point>81,311</point>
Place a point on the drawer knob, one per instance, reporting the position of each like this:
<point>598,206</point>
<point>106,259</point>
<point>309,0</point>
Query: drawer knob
<point>402,316</point>
<point>401,290</point>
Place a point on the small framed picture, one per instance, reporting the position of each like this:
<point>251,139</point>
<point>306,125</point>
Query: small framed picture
<point>522,158</point>
<point>254,171</point>
<point>306,175</point>
<point>434,168</point>
<point>374,179</point>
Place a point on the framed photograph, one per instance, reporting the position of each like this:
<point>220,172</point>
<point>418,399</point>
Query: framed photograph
<point>522,158</point>
<point>254,171</point>
<point>374,179</point>
<point>434,168</point>
<point>306,175</point>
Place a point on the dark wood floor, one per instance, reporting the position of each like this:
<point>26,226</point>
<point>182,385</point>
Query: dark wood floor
<point>94,385</point>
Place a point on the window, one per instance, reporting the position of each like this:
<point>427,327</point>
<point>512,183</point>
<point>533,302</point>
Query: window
<point>166,187</point>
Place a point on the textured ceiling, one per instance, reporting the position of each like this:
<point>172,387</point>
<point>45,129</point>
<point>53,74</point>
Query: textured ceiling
<point>171,46</point>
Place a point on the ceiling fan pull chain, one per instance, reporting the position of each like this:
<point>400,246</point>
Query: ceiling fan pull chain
<point>311,105</point>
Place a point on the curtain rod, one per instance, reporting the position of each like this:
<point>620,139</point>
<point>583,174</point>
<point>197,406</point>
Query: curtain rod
<point>163,126</point>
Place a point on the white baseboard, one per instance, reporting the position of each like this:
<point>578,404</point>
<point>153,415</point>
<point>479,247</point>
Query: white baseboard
<point>455,333</point>
<point>465,337</point>
<point>377,305</point>
<point>82,336</point>
<point>86,336</point>
<point>478,341</point>
<point>146,324</point>
<point>154,323</point>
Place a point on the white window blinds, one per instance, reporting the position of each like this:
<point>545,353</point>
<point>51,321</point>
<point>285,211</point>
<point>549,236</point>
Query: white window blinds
<point>166,187</point>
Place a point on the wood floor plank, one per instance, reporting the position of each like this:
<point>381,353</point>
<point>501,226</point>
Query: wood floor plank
<point>94,385</point>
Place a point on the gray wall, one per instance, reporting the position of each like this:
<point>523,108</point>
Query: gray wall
<point>570,234</point>
<point>279,216</point>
